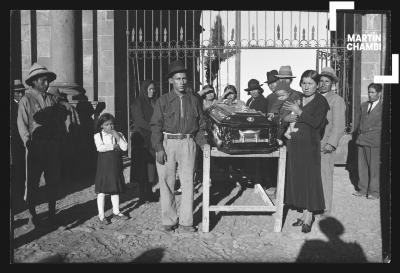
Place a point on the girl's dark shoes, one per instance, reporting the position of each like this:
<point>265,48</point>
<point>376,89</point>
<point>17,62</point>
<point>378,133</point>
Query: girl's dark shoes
<point>103,222</point>
<point>120,216</point>
<point>306,228</point>
<point>298,223</point>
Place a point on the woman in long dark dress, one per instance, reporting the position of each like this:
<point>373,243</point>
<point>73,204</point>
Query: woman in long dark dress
<point>143,169</point>
<point>303,187</point>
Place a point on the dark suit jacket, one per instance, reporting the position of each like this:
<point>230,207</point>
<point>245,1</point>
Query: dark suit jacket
<point>369,126</point>
<point>259,103</point>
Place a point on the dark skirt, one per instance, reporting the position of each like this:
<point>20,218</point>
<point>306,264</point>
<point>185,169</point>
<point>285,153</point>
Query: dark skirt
<point>303,188</point>
<point>109,174</point>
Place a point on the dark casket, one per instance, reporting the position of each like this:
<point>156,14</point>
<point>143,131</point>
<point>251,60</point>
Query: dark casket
<point>236,129</point>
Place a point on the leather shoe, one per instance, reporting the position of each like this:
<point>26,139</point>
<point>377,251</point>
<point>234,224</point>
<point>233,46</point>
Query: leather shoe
<point>306,228</point>
<point>298,223</point>
<point>168,227</point>
<point>120,216</point>
<point>187,228</point>
<point>358,194</point>
<point>371,197</point>
<point>103,222</point>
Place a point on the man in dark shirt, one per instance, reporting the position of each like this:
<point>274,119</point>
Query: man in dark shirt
<point>177,122</point>
<point>285,78</point>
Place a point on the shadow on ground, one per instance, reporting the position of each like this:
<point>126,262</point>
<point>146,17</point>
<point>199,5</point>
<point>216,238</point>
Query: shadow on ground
<point>332,251</point>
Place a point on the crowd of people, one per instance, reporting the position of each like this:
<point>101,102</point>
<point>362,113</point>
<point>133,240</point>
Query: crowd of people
<point>169,132</point>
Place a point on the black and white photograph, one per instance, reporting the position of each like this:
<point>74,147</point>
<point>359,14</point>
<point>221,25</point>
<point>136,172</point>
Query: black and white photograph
<point>253,135</point>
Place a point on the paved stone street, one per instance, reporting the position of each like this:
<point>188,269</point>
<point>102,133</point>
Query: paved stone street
<point>351,234</point>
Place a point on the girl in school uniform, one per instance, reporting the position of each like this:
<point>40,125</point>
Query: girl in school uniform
<point>109,174</point>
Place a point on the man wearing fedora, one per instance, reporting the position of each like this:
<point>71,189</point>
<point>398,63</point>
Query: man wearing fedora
<point>37,126</point>
<point>285,78</point>
<point>177,121</point>
<point>334,130</point>
<point>272,82</point>
<point>17,146</point>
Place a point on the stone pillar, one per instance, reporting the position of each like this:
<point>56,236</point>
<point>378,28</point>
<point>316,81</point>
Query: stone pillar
<point>63,55</point>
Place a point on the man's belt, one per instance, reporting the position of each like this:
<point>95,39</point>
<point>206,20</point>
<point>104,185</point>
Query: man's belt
<point>178,136</point>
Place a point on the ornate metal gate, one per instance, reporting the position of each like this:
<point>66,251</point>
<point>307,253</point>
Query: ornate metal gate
<point>205,40</point>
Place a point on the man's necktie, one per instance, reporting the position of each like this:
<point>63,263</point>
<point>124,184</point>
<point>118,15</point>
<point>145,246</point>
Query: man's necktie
<point>369,107</point>
<point>252,99</point>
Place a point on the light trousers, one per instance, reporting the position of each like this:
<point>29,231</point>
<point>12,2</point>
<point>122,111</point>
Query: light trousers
<point>182,152</point>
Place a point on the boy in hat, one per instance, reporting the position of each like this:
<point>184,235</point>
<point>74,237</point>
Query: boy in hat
<point>38,127</point>
<point>177,121</point>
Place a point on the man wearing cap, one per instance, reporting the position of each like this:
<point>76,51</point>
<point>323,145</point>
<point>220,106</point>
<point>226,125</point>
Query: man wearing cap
<point>38,127</point>
<point>257,100</point>
<point>17,146</point>
<point>176,123</point>
<point>334,130</point>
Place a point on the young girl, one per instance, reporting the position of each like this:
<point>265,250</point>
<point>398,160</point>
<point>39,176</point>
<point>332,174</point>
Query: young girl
<point>109,173</point>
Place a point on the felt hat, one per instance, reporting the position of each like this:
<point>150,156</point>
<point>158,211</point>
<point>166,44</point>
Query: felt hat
<point>329,72</point>
<point>271,76</point>
<point>175,67</point>
<point>39,70</point>
<point>252,85</point>
<point>18,86</point>
<point>285,72</point>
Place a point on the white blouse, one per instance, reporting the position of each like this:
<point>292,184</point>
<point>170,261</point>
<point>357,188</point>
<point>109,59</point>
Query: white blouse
<point>107,144</point>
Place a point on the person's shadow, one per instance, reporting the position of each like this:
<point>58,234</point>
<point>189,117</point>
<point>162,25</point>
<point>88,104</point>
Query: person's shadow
<point>150,256</point>
<point>352,161</point>
<point>333,251</point>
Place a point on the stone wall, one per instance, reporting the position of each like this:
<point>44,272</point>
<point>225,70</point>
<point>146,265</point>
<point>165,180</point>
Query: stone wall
<point>105,49</point>
<point>43,30</point>
<point>89,52</point>
<point>372,62</point>
<point>26,54</point>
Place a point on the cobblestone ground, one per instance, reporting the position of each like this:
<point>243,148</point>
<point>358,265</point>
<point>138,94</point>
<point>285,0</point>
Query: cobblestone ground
<point>351,234</point>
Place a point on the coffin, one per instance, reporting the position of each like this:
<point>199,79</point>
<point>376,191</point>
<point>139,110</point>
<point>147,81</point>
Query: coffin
<point>236,129</point>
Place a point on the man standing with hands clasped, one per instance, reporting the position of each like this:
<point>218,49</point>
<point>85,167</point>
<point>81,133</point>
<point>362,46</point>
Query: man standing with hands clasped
<point>177,121</point>
<point>368,143</point>
<point>334,130</point>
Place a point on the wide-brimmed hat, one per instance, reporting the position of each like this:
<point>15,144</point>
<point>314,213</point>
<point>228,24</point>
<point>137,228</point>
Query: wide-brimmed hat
<point>18,86</point>
<point>285,72</point>
<point>175,67</point>
<point>330,72</point>
<point>253,84</point>
<point>271,76</point>
<point>38,69</point>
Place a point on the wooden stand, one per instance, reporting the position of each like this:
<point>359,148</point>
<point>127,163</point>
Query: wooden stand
<point>269,206</point>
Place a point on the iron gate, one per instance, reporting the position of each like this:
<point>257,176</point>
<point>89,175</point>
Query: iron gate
<point>206,39</point>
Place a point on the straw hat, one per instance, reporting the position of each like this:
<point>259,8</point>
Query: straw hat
<point>329,72</point>
<point>285,72</point>
<point>39,70</point>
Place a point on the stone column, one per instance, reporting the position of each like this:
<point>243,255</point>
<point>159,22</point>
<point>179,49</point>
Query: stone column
<point>63,57</point>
